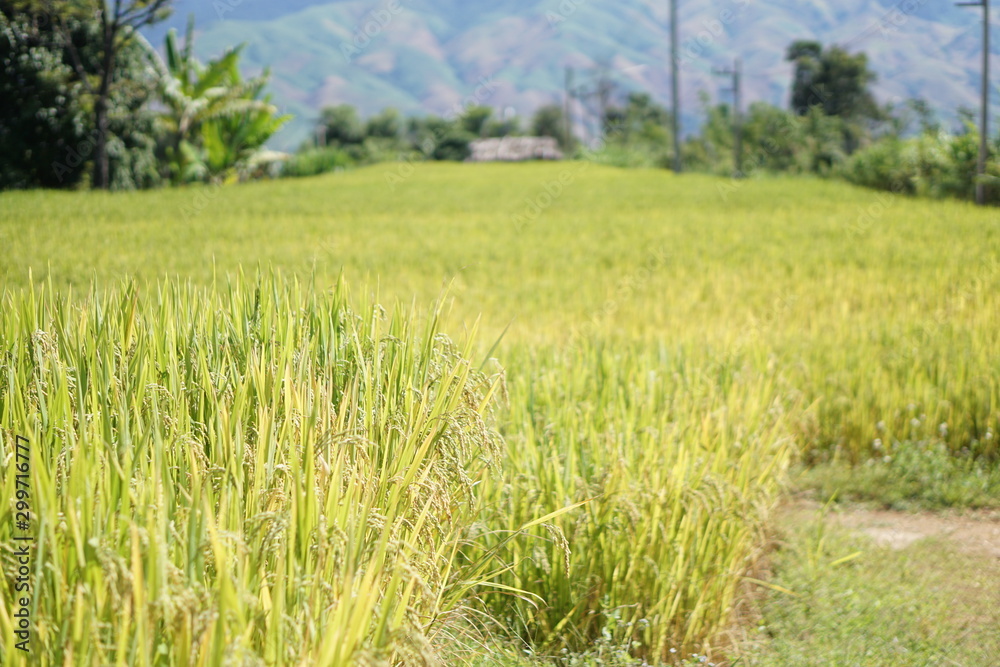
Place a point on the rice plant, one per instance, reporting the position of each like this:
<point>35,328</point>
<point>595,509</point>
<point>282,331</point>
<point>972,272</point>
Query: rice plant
<point>679,472</point>
<point>254,474</point>
<point>260,472</point>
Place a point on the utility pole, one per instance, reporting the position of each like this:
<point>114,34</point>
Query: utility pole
<point>985,103</point>
<point>568,111</point>
<point>736,71</point>
<point>605,88</point>
<point>675,86</point>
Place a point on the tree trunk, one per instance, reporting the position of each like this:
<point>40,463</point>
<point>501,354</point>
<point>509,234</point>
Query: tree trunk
<point>102,175</point>
<point>102,167</point>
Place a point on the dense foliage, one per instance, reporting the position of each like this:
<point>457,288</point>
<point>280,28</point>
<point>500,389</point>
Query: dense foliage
<point>343,139</point>
<point>213,126</point>
<point>933,164</point>
<point>48,136</point>
<point>215,122</point>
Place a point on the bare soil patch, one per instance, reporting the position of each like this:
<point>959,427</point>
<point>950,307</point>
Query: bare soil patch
<point>972,533</point>
<point>975,534</point>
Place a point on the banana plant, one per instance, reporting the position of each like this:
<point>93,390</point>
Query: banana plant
<point>233,141</point>
<point>214,119</point>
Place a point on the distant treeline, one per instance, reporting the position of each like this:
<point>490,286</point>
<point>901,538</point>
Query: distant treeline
<point>67,120</point>
<point>832,127</point>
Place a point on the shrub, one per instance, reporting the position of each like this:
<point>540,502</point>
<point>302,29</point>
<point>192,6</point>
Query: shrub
<point>934,165</point>
<point>316,161</point>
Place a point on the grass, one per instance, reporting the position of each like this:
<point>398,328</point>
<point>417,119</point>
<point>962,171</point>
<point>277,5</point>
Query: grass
<point>669,347</point>
<point>882,606</point>
<point>921,476</point>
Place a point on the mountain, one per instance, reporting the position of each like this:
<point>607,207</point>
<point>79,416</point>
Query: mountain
<point>428,56</point>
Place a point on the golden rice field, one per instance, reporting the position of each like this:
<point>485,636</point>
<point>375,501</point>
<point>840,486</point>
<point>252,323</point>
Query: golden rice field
<point>566,423</point>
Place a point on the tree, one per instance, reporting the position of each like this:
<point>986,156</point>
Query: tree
<point>508,126</point>
<point>772,139</point>
<point>118,23</point>
<point>215,120</point>
<point>641,119</point>
<point>832,79</point>
<point>233,140</point>
<point>454,145</point>
<point>926,118</point>
<point>47,132</point>
<point>424,134</point>
<point>341,126</point>
<point>966,122</point>
<point>549,121</point>
<point>639,130</point>
<point>41,122</point>
<point>475,119</point>
<point>387,124</point>
<point>835,81</point>
<point>825,140</point>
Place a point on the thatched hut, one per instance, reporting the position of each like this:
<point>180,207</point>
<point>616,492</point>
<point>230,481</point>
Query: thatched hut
<point>514,149</point>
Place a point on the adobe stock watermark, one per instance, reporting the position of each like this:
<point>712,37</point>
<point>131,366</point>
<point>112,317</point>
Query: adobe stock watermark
<point>370,27</point>
<point>625,288</point>
<point>78,154</point>
<point>24,543</point>
<point>565,9</point>
<point>712,30</point>
<point>223,7</point>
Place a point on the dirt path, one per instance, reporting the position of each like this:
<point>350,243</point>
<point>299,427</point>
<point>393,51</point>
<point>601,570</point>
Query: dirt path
<point>974,534</point>
<point>912,589</point>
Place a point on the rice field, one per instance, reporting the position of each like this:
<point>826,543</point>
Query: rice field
<point>402,414</point>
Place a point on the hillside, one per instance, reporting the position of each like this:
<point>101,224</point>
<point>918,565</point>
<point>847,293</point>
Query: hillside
<point>426,57</point>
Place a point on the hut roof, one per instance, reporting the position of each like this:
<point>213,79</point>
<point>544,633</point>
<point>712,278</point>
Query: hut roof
<point>514,149</point>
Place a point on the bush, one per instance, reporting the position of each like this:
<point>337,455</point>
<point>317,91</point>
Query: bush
<point>883,166</point>
<point>454,145</point>
<point>316,161</point>
<point>933,165</point>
